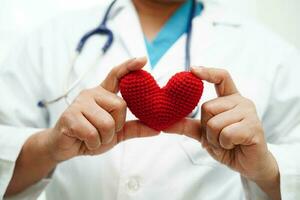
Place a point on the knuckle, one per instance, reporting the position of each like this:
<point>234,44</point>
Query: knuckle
<point>225,73</point>
<point>112,73</point>
<point>120,104</point>
<point>207,107</point>
<point>65,131</point>
<point>92,135</point>
<point>251,103</point>
<point>75,107</point>
<point>96,113</point>
<point>255,127</point>
<point>249,106</point>
<point>108,128</point>
<point>66,118</point>
<point>108,125</point>
<point>82,97</point>
<point>213,125</point>
<point>73,128</point>
<point>93,132</point>
<point>226,134</point>
<point>114,70</point>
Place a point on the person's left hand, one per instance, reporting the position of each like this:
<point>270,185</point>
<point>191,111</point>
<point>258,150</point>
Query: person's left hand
<point>230,130</point>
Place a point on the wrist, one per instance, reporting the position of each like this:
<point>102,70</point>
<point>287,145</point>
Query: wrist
<point>33,164</point>
<point>270,171</point>
<point>269,179</point>
<point>38,145</point>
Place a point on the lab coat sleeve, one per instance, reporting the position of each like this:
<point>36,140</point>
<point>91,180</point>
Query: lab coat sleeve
<point>21,87</point>
<point>282,128</point>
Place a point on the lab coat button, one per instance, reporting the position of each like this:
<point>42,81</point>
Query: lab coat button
<point>133,184</point>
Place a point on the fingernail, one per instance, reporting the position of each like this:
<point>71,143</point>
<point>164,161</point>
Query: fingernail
<point>143,58</point>
<point>132,59</point>
<point>131,62</point>
<point>197,68</point>
<point>137,59</point>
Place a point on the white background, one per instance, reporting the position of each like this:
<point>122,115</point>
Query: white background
<point>22,16</point>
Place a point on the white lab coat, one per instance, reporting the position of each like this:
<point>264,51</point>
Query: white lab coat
<point>167,166</point>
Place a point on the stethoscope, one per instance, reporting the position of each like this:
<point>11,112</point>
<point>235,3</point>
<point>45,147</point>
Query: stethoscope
<point>103,30</point>
<point>100,30</point>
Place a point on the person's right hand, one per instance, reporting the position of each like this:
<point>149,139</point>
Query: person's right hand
<point>96,120</point>
<point>94,123</point>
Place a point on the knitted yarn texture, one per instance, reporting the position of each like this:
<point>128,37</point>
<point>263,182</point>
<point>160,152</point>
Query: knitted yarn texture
<point>158,107</point>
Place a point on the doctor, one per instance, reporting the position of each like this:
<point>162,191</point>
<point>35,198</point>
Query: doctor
<point>249,128</point>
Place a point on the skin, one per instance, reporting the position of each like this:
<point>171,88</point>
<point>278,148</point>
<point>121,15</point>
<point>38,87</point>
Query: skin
<point>231,132</point>
<point>229,128</point>
<point>93,124</point>
<point>153,14</point>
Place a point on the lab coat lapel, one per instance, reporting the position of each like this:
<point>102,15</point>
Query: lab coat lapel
<point>128,37</point>
<point>209,46</point>
<point>128,29</point>
<point>205,38</point>
<point>202,38</point>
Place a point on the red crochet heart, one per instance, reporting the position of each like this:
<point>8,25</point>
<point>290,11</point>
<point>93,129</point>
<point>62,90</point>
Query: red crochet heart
<point>158,107</point>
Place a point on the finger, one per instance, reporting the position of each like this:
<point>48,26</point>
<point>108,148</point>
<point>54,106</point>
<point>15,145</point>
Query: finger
<point>135,129</point>
<point>236,134</point>
<point>221,78</point>
<point>114,105</point>
<point>79,127</point>
<point>212,108</point>
<point>217,106</point>
<point>217,123</point>
<point>188,127</point>
<point>101,120</point>
<point>111,82</point>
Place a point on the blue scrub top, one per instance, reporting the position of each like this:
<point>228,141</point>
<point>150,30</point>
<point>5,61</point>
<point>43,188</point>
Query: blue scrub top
<point>173,29</point>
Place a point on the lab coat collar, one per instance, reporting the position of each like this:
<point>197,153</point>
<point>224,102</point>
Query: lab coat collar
<point>127,28</point>
<point>202,24</point>
<point>204,36</point>
<point>125,24</point>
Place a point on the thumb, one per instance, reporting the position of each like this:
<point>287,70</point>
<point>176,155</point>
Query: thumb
<point>135,129</point>
<point>111,82</point>
<point>221,78</point>
<point>188,127</point>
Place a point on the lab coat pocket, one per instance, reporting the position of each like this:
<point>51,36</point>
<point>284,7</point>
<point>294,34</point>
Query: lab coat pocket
<point>196,154</point>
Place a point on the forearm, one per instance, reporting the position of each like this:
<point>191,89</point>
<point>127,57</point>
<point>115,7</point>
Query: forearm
<point>33,164</point>
<point>270,184</point>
